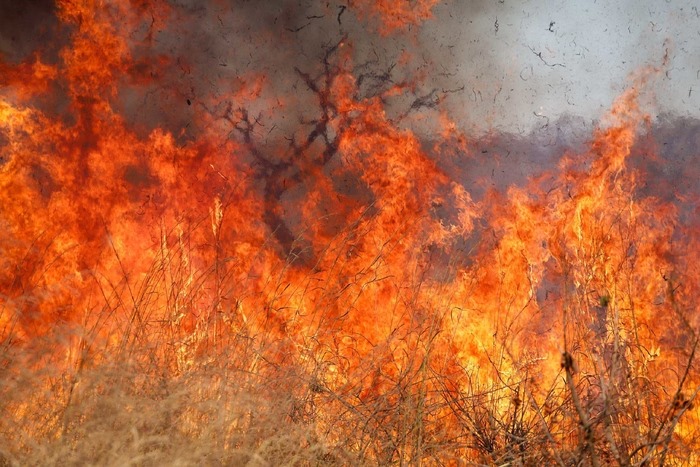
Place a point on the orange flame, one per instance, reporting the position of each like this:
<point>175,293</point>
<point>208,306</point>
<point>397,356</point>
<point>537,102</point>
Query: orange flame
<point>413,314</point>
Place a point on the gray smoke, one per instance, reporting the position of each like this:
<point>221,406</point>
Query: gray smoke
<point>527,80</point>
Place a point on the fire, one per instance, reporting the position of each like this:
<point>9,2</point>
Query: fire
<point>396,15</point>
<point>333,296</point>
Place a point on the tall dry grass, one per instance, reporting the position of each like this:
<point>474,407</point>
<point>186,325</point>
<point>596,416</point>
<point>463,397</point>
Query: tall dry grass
<point>136,383</point>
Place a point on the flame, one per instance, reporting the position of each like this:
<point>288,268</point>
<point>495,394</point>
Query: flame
<point>348,273</point>
<point>395,16</point>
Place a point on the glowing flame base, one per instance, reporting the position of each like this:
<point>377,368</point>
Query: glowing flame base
<point>344,301</point>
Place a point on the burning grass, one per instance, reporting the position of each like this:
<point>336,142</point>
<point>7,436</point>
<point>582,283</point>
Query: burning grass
<point>337,299</point>
<point>232,382</point>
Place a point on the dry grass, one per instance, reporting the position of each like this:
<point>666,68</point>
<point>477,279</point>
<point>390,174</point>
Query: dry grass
<point>153,394</point>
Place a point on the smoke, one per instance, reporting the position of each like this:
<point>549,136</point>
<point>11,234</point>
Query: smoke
<point>526,81</point>
<point>535,69</point>
<point>525,63</point>
<point>509,66</point>
<point>23,26</point>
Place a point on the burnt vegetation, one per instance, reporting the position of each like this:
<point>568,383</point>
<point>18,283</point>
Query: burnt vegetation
<point>553,324</point>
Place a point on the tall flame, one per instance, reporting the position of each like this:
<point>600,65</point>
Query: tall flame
<point>348,284</point>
